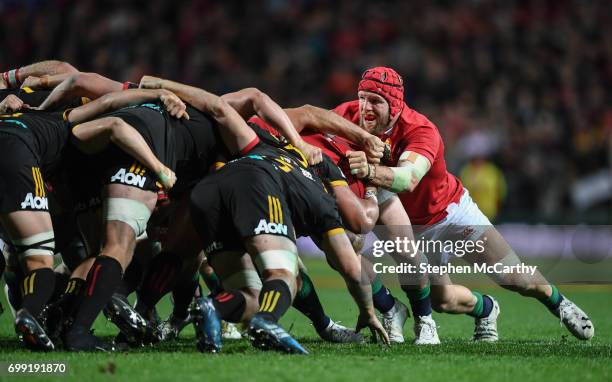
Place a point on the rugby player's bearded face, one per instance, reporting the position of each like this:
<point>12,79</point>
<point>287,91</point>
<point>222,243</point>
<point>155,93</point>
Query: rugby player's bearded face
<point>374,112</point>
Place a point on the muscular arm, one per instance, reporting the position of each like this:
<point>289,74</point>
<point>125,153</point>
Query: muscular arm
<point>252,101</point>
<point>90,85</point>
<point>360,215</point>
<point>237,134</point>
<point>113,101</point>
<point>326,121</point>
<point>14,78</point>
<point>342,257</point>
<point>411,168</point>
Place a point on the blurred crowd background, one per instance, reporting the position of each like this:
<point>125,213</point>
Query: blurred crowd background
<point>520,90</point>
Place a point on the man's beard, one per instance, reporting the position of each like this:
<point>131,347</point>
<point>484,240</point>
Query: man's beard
<point>377,130</point>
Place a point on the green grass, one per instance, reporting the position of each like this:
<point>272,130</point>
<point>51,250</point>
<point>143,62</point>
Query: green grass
<point>533,348</point>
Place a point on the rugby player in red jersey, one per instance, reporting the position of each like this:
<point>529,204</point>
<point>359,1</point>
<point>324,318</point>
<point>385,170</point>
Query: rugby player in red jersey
<point>437,202</point>
<point>355,205</point>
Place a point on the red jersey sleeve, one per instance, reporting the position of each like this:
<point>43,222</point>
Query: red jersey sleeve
<point>424,140</point>
<point>348,110</point>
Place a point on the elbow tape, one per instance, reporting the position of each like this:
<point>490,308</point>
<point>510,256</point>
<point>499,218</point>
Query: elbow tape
<point>410,173</point>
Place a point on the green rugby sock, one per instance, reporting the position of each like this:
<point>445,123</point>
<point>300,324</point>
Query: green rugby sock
<point>420,300</point>
<point>477,311</point>
<point>308,303</point>
<point>376,285</point>
<point>381,296</point>
<point>552,302</point>
<point>483,307</point>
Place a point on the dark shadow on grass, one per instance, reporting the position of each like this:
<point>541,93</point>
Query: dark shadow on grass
<point>525,348</point>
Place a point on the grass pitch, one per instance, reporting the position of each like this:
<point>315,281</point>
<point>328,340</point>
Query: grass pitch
<point>533,347</point>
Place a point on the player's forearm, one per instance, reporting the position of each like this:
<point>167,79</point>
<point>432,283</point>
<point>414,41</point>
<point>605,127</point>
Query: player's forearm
<point>199,98</point>
<point>252,101</point>
<point>362,294</point>
<point>368,215</point>
<point>370,205</point>
<point>395,179</point>
<point>49,67</point>
<point>325,121</point>
<point>14,77</point>
<point>383,177</point>
<point>342,257</point>
<point>272,113</point>
<point>51,81</point>
<point>113,101</point>
<point>90,85</point>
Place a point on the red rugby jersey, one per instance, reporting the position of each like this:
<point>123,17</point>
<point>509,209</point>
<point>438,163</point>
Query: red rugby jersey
<point>334,147</point>
<point>414,132</point>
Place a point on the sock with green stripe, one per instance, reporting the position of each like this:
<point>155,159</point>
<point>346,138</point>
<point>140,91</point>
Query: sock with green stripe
<point>381,296</point>
<point>483,307</point>
<point>308,303</point>
<point>420,300</point>
<point>554,300</point>
<point>212,283</point>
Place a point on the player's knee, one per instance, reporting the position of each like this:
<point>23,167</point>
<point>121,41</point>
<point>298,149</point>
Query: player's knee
<point>38,262</point>
<point>281,274</point>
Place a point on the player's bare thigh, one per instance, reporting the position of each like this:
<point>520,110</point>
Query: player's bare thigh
<point>24,224</point>
<point>257,245</point>
<point>119,237</point>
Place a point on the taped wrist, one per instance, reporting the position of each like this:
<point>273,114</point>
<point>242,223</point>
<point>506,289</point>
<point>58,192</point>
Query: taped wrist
<point>165,179</point>
<point>12,78</point>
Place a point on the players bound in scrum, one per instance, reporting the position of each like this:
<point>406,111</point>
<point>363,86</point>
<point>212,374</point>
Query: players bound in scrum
<point>143,188</point>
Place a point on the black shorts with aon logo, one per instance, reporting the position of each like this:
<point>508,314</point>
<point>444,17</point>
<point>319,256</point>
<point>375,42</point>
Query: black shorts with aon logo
<point>88,174</point>
<point>238,202</point>
<point>22,187</point>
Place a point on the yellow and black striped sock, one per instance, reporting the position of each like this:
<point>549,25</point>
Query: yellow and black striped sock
<point>36,289</point>
<point>68,301</point>
<point>274,300</point>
